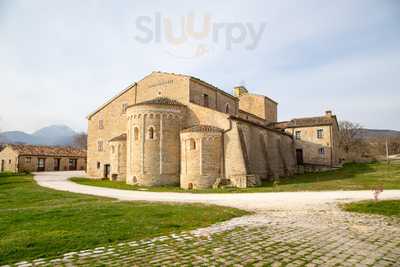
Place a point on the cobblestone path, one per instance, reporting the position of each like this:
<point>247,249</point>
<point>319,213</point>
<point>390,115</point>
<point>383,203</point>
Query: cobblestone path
<point>326,237</point>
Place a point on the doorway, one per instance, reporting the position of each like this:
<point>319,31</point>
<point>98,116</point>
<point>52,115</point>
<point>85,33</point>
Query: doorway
<point>73,164</point>
<point>107,170</point>
<point>41,164</point>
<point>299,156</point>
<point>2,165</point>
<point>57,164</point>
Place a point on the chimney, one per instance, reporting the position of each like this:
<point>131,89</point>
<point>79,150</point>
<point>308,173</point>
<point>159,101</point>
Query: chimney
<point>239,91</point>
<point>328,113</point>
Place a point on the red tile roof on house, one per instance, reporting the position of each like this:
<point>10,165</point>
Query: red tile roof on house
<point>306,122</point>
<point>31,150</point>
<point>159,101</point>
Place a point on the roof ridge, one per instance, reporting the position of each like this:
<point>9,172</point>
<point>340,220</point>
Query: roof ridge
<point>28,149</point>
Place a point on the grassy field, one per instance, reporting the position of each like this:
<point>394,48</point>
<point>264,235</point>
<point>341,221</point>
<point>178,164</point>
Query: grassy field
<point>355,176</point>
<point>384,207</point>
<point>37,222</point>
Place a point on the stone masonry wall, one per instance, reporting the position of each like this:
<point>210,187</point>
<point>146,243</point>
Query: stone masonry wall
<point>118,160</point>
<point>163,85</point>
<point>15,163</point>
<point>115,123</point>
<point>154,161</point>
<point>201,159</point>
<point>30,163</point>
<point>267,154</point>
<point>9,160</point>
<point>216,99</point>
<point>311,144</point>
<point>248,149</point>
<point>260,106</point>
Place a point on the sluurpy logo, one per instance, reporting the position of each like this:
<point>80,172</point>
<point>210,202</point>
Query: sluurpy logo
<point>183,39</point>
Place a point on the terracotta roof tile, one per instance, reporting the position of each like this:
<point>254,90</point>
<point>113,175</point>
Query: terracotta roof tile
<point>305,122</point>
<point>31,150</point>
<point>202,128</point>
<point>160,101</point>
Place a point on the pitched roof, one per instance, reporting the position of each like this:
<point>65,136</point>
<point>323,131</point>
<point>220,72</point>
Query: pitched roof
<point>111,100</point>
<point>250,114</point>
<point>31,150</point>
<point>307,122</point>
<point>269,127</point>
<point>159,101</point>
<point>202,128</point>
<point>121,137</point>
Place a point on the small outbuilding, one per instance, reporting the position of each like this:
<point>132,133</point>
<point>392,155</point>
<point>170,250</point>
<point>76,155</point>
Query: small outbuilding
<point>30,158</point>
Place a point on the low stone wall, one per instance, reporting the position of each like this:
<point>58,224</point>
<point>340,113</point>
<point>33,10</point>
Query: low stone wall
<point>244,181</point>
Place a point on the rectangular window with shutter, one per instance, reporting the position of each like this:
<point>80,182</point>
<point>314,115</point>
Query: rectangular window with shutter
<point>298,135</point>
<point>320,133</point>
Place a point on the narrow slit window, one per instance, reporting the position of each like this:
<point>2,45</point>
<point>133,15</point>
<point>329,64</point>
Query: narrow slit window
<point>206,102</point>
<point>151,133</point>
<point>136,134</point>
<point>192,144</point>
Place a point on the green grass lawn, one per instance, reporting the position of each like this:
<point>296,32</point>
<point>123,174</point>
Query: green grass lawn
<point>383,207</point>
<point>37,222</point>
<point>355,176</point>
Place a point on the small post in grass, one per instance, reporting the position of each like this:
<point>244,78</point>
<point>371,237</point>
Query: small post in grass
<point>387,151</point>
<point>377,191</point>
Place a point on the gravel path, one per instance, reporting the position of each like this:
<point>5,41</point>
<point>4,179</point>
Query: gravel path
<point>287,229</point>
<point>248,201</point>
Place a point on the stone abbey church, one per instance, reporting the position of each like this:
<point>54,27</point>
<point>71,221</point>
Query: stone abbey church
<point>173,129</point>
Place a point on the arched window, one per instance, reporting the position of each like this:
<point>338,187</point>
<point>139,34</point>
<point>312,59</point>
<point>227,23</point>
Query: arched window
<point>136,133</point>
<point>151,133</point>
<point>227,108</point>
<point>192,144</point>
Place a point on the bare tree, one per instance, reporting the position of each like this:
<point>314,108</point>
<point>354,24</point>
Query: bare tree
<point>378,145</point>
<point>80,140</point>
<point>394,145</point>
<point>350,135</point>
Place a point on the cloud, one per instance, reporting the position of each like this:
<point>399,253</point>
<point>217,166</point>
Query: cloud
<point>60,60</point>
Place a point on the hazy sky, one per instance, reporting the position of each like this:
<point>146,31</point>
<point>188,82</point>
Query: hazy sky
<point>60,60</point>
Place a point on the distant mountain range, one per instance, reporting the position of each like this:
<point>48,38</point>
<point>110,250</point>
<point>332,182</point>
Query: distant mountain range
<point>372,133</point>
<point>54,135</point>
